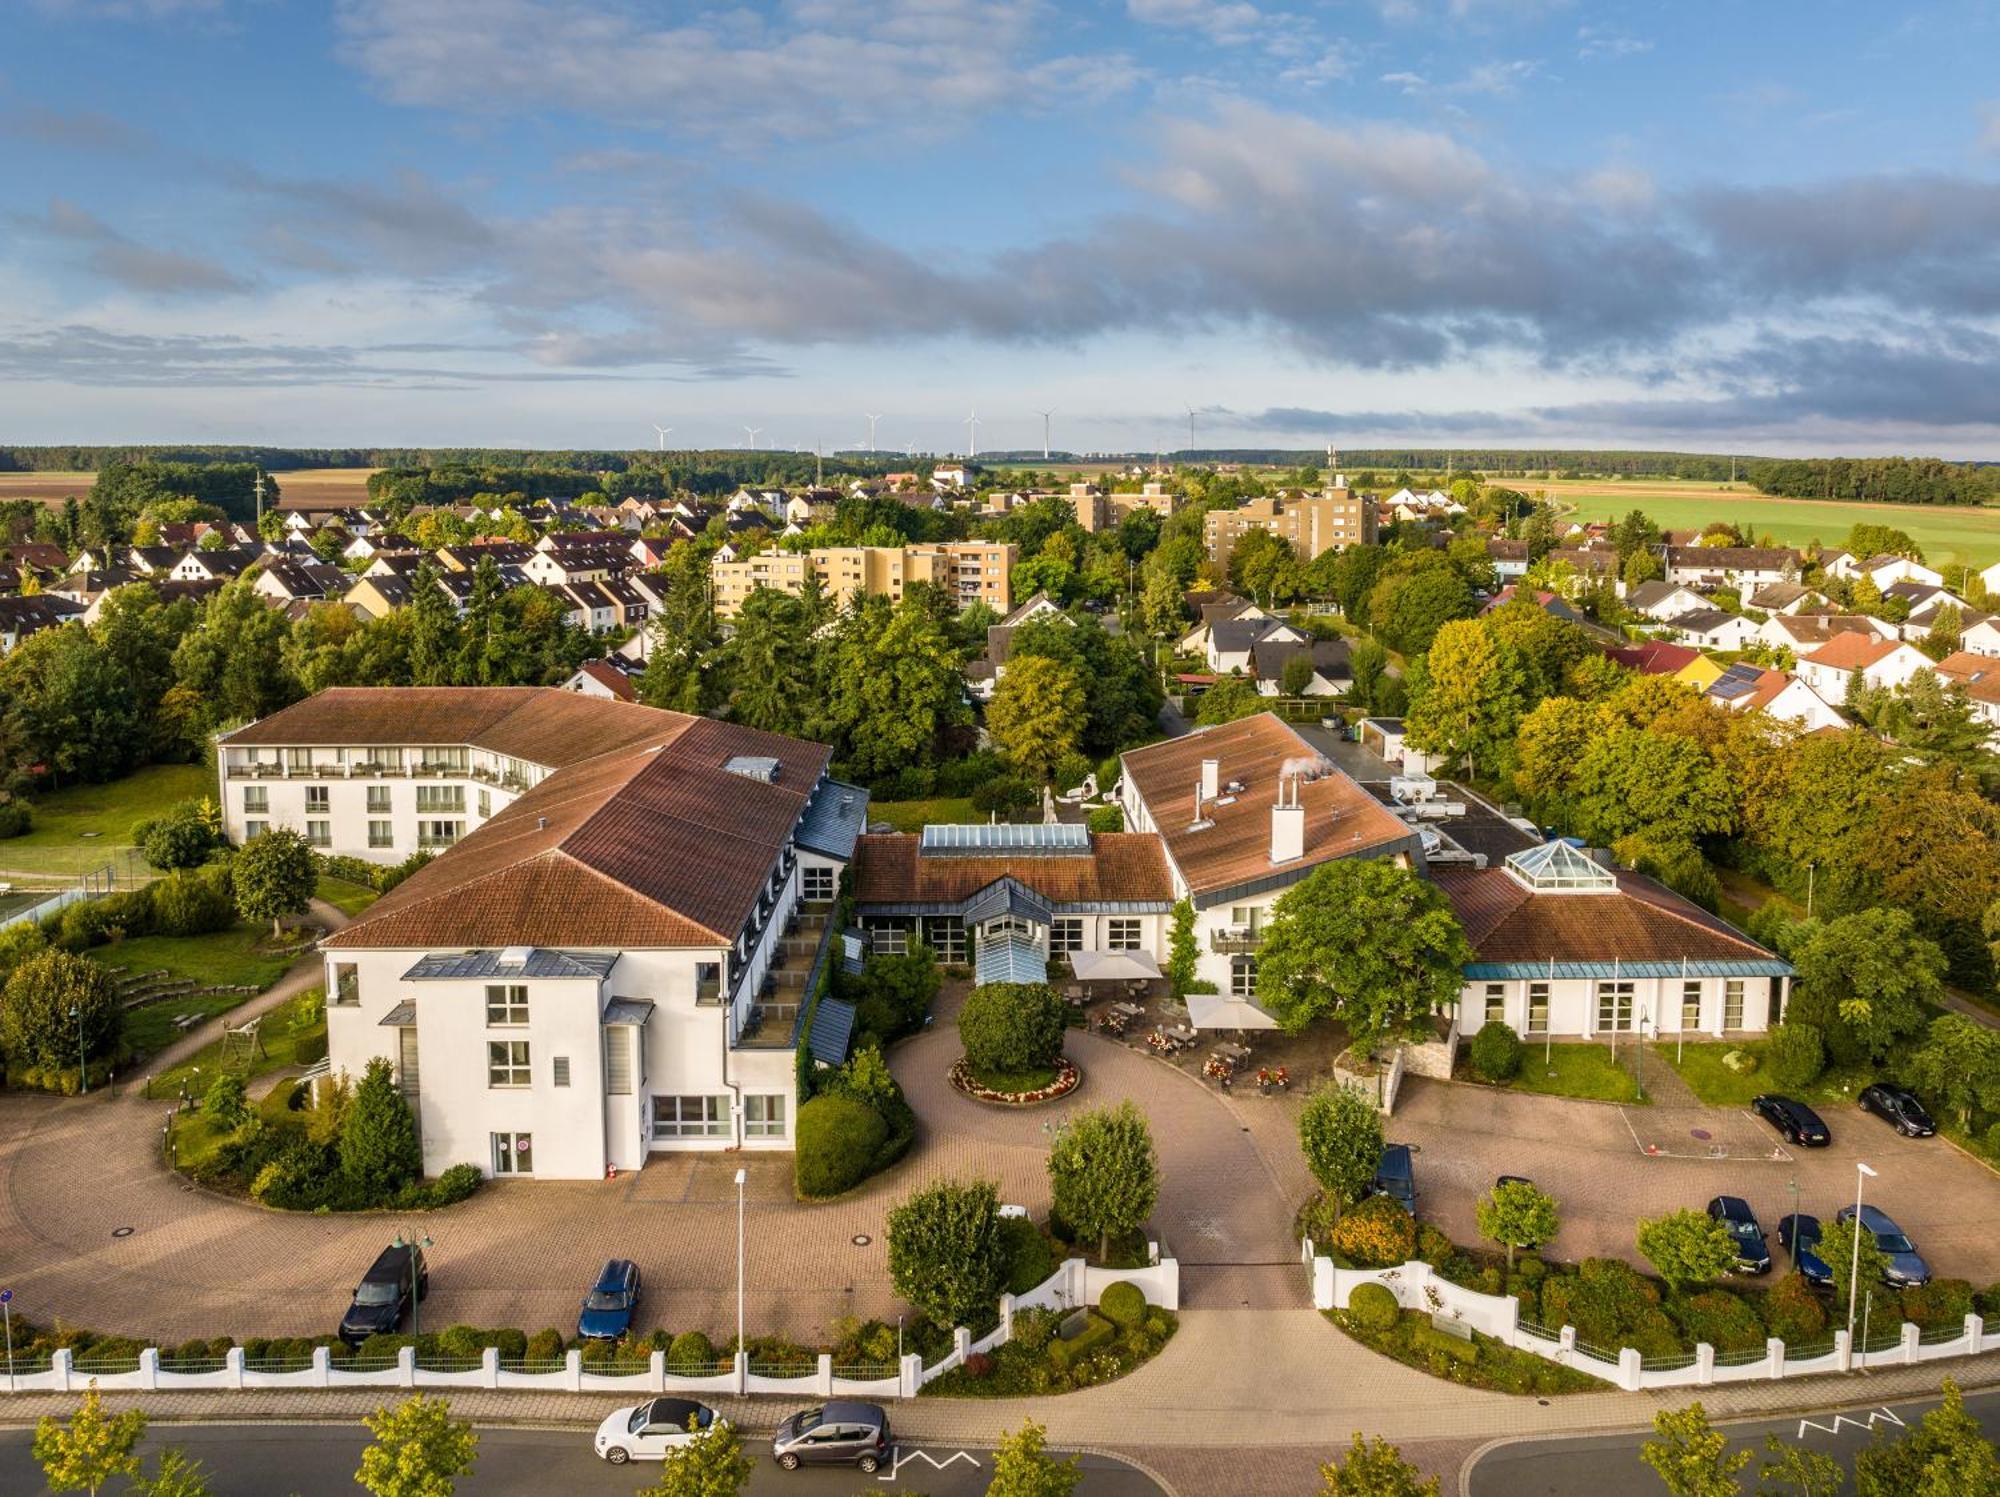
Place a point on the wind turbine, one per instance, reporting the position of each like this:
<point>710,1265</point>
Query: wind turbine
<point>663,431</point>
<point>753,430</point>
<point>1045,432</point>
<point>1190,445</point>
<point>873,417</point>
<point>971,424</point>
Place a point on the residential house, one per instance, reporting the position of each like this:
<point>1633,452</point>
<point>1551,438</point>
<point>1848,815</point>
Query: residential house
<point>1754,688</point>
<point>1785,597</point>
<point>1989,579</point>
<point>983,674</point>
<point>1981,638</point>
<point>287,582</point>
<point>1231,642</point>
<point>1802,633</point>
<point>1742,568</point>
<point>613,678</point>
<point>1886,570</point>
<point>21,616</point>
<point>1978,676</point>
<point>1654,657</point>
<point>1715,629</point>
<point>148,560</point>
<point>1831,668</point>
<point>467,558</point>
<point>969,571</point>
<point>1097,510</point>
<point>1925,602</point>
<point>1549,603</point>
<point>1331,673</point>
<point>87,587</point>
<point>1212,609</point>
<point>1664,601</point>
<point>39,559</point>
<point>1509,557</point>
<point>223,564</point>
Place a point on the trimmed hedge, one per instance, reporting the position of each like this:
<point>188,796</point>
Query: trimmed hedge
<point>838,1140</point>
<point>1373,1307</point>
<point>1123,1304</point>
<point>1012,1027</point>
<point>1496,1052</point>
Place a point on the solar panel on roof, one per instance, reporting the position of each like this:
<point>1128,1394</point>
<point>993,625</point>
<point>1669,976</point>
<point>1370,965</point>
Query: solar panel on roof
<point>980,839</point>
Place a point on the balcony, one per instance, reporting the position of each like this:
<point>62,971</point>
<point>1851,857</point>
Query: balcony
<point>1237,940</point>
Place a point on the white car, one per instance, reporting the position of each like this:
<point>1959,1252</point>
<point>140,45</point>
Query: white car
<point>647,1431</point>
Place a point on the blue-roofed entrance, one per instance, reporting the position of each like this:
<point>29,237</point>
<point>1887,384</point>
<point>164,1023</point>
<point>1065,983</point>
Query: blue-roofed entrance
<point>1009,958</point>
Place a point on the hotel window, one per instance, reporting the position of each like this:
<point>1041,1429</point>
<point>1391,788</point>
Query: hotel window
<point>1248,917</point>
<point>506,1003</point>
<point>1496,1003</point>
<point>485,803</point>
<point>1538,1008</point>
<point>346,984</point>
<point>617,1061</point>
<point>298,760</point>
<point>1122,935</point>
<point>256,800</point>
<point>1690,1005</point>
<point>438,833</point>
<point>893,940</point>
<point>817,885</point>
<point>513,1153</point>
<point>561,1070</point>
<point>690,1117</point>
<point>319,833</point>
<point>440,798</point>
<point>945,934</point>
<point>317,799</point>
<point>708,982</point>
<point>1243,977</point>
<point>1732,1003</point>
<point>381,834</point>
<point>1614,1007</point>
<point>1065,934</point>
<point>764,1116</point>
<point>378,800</point>
<point>507,1063</point>
<point>252,830</point>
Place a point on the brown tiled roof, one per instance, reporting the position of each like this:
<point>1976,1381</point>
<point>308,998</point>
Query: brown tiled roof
<point>1732,558</point>
<point>1978,674</point>
<point>889,869</point>
<point>1643,921</point>
<point>542,724</point>
<point>1820,627</point>
<point>1342,819</point>
<point>649,846</point>
<point>1851,650</point>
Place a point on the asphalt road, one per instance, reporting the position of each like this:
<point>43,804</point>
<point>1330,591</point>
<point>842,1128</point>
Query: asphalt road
<point>273,1460</point>
<point>1598,1464</point>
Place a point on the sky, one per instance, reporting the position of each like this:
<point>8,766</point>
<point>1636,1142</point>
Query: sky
<point>1696,224</point>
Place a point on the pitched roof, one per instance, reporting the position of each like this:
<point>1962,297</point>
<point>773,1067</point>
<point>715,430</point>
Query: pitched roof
<point>1732,558</point>
<point>1851,650</point>
<point>1638,921</point>
<point>1978,674</point>
<point>1818,628</point>
<point>1773,595</point>
<point>1654,658</point>
<point>1122,867</point>
<point>1646,594</point>
<point>1704,620</point>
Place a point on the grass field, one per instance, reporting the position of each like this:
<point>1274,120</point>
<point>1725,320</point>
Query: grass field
<point>1574,1070</point>
<point>915,815</point>
<point>83,827</point>
<point>1701,1067</point>
<point>349,898</point>
<point>228,958</point>
<point>290,1032</point>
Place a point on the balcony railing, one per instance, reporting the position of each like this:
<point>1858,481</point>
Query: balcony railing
<point>1235,941</point>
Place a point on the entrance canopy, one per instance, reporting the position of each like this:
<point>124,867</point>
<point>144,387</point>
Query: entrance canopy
<point>1009,958</point>
<point>1113,966</point>
<point>1208,1011</point>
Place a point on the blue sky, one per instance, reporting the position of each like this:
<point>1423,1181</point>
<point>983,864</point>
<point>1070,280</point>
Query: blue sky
<point>1769,227</point>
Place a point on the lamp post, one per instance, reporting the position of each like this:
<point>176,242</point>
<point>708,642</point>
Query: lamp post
<point>416,1283</point>
<point>82,1067</point>
<point>1811,870</point>
<point>7,1310</point>
<point>741,1177</point>
<point>1861,1172</point>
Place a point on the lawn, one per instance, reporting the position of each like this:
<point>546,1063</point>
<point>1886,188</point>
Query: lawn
<point>1950,534</point>
<point>915,815</point>
<point>83,827</point>
<point>1573,1070</point>
<point>293,1034</point>
<point>228,958</point>
<point>349,898</point>
<point>196,1137</point>
<point>151,1029</point>
<point>1701,1067</point>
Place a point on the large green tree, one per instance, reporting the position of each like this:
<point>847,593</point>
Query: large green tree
<point>894,690</point>
<point>234,659</point>
<point>1036,715</point>
<point>946,1256</point>
<point>419,1450</point>
<point>769,663</point>
<point>1878,973</point>
<point>1103,1173</point>
<point>274,876</point>
<point>1687,1247</point>
<point>1958,1066</point>
<point>1516,1215</point>
<point>379,1150</point>
<point>1474,691</point>
<point>56,1009</point>
<point>1340,1134</point>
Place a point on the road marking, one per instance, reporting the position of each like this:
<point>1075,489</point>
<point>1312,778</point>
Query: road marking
<point>924,1455</point>
<point>1886,1415</point>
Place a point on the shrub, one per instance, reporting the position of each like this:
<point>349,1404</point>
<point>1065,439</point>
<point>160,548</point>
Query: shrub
<point>1797,1055</point>
<point>1034,1329</point>
<point>544,1346</point>
<point>1105,819</point>
<point>1068,1351</point>
<point>1721,1319</point>
<point>386,879</point>
<point>837,1140</point>
<point>1030,1259</point>
<point>1496,1052</point>
<point>226,1101</point>
<point>454,1185</point>
<point>1940,1302</point>
<point>83,925</point>
<point>1606,1299</point>
<point>1004,792</point>
<point>181,837</point>
<point>36,1030</point>
<point>893,992</point>
<point>1123,1304</point>
<point>1987,1300</point>
<point>194,902</point>
<point>1378,1233</point>
<point>1008,1026</point>
<point>690,1349</point>
<point>945,1254</point>
<point>379,1151</point>
<point>1792,1311</point>
<point>1436,1343</point>
<point>16,818</point>
<point>1373,1307</point>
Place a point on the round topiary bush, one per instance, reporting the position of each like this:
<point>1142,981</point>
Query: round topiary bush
<point>1378,1233</point>
<point>546,1345</point>
<point>1797,1054</point>
<point>1123,1304</point>
<point>838,1139</point>
<point>1373,1307</point>
<point>1010,1027</point>
<point>690,1349</point>
<point>1496,1052</point>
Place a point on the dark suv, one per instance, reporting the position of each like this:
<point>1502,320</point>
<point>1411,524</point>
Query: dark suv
<point>840,1433</point>
<point>1897,1106</point>
<point>607,1309</point>
<point>396,1280</point>
<point>1396,1177</point>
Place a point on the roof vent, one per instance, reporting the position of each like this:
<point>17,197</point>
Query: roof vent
<point>516,956</point>
<point>541,823</point>
<point>754,767</point>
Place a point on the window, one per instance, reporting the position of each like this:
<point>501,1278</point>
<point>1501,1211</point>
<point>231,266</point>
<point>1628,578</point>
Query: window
<point>561,1071</point>
<point>764,1116</point>
<point>513,1153</point>
<point>1690,1005</point>
<point>1248,917</point>
<point>818,883</point>
<point>1243,977</point>
<point>346,984</point>
<point>945,934</point>
<point>1066,934</point>
<point>378,800</point>
<point>507,1063</point>
<point>318,799</point>
<point>617,1061</point>
<point>440,798</point>
<point>252,830</point>
<point>894,939</point>
<point>1122,935</point>
<point>1614,1006</point>
<point>438,833</point>
<point>1496,1003</point>
<point>708,982</point>
<point>506,1003</point>
<point>1732,1003</point>
<point>319,833</point>
<point>690,1117</point>
<point>381,834</point>
<point>1538,1008</point>
<point>256,800</point>
<point>298,760</point>
<point>485,803</point>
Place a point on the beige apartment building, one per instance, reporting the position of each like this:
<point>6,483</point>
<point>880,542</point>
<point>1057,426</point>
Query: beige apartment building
<point>1100,511</point>
<point>1314,523</point>
<point>971,571</point>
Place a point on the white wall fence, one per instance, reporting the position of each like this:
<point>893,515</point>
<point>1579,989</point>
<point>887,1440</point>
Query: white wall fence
<point>1417,1286</point>
<point>1074,1284</point>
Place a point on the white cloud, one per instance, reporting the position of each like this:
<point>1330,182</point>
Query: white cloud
<point>1595,43</point>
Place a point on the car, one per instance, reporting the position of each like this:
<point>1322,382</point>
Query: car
<point>1800,1236</point>
<point>838,1433</point>
<point>1899,1107</point>
<point>1396,1176</point>
<point>607,1309</point>
<point>647,1431</point>
<point>1012,1212</point>
<point>1797,1122</point>
<point>394,1282</point>
<point>1906,1268</point>
<point>1752,1254</point>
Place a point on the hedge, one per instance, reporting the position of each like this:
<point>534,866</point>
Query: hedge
<point>1009,1027</point>
<point>838,1139</point>
<point>1123,1304</point>
<point>1373,1307</point>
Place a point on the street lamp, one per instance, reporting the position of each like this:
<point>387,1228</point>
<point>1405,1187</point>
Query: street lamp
<point>741,1177</point>
<point>82,1067</point>
<point>1861,1172</point>
<point>416,1283</point>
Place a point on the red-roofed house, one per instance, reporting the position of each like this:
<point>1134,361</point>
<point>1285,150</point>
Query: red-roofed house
<point>1877,662</point>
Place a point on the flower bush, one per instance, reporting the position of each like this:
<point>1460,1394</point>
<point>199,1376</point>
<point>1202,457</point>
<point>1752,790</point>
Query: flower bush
<point>1378,1233</point>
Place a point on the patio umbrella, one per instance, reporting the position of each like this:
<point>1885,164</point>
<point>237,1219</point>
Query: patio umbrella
<point>1207,1011</point>
<point>1112,966</point>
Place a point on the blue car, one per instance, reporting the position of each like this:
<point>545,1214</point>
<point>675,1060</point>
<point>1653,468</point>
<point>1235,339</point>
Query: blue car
<point>1907,1268</point>
<point>1800,1237</point>
<point>607,1309</point>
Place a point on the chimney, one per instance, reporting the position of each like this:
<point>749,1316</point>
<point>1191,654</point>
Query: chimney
<point>1211,778</point>
<point>1288,825</point>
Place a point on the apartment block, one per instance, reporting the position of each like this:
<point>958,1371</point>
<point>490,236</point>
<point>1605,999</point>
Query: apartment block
<point>1096,510</point>
<point>971,571</point>
<point>1313,523</point>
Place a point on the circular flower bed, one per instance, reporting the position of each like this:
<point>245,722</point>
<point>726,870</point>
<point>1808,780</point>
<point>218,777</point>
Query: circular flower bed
<point>1068,1077</point>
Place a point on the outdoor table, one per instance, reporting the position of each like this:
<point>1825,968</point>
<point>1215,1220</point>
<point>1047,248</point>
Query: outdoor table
<point>1129,1010</point>
<point>1180,1034</point>
<point>1233,1052</point>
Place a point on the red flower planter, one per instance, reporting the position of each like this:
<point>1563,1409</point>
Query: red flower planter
<point>1068,1078</point>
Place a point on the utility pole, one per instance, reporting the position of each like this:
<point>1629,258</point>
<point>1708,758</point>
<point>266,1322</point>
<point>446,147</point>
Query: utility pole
<point>260,500</point>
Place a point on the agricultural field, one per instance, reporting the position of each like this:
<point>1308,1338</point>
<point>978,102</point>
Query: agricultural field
<point>49,488</point>
<point>323,488</point>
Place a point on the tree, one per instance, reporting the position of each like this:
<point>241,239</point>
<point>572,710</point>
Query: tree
<point>1687,1247</point>
<point>1417,596</point>
<point>1364,941</point>
<point>419,1449</point>
<point>1037,714</point>
<point>1838,1250</point>
<point>1473,693</point>
<point>768,661</point>
<point>1958,1067</point>
<point>1946,1455</point>
<point>1104,1175</point>
<point>1183,952</point>
<point>1374,1468</point>
<point>92,1448</point>
<point>894,689</point>
<point>56,1009</point>
<point>1367,660</point>
<point>1227,700</point>
<point>1693,1459</point>
<point>1516,1215</point>
<point>1340,1133</point>
<point>715,1465</point>
<point>945,1252</point>
<point>182,837</point>
<point>274,876</point>
<point>1297,675</point>
<point>1632,781</point>
<point>379,1150</point>
<point>1265,566</point>
<point>1879,973</point>
<point>234,659</point>
<point>1793,1470</point>
<point>1010,1027</point>
<point>1162,603</point>
<point>1022,1467</point>
<point>434,635</point>
<point>1947,627</point>
<point>67,710</point>
<point>175,1474</point>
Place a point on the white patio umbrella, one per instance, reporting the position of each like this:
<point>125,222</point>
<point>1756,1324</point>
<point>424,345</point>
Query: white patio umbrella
<point>1112,966</point>
<point>1208,1011</point>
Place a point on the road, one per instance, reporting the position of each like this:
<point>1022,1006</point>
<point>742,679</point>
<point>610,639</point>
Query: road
<point>1596,1464</point>
<point>312,1460</point>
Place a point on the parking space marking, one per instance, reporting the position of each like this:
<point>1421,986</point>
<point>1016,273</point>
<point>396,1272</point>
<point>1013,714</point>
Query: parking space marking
<point>924,1455</point>
<point>1888,1416</point>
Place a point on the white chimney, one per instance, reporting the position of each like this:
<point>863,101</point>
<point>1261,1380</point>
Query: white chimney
<point>1288,825</point>
<point>1211,778</point>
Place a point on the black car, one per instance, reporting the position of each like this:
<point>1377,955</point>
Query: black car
<point>607,1309</point>
<point>840,1433</point>
<point>1899,1107</point>
<point>1797,1122</point>
<point>1752,1255</point>
<point>1396,1177</point>
<point>395,1281</point>
<point>1800,1236</point>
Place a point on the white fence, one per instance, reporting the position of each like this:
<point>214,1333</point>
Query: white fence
<point>1417,1286</point>
<point>47,907</point>
<point>1073,1284</point>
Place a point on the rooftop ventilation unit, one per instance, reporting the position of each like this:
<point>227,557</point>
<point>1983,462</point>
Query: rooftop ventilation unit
<point>516,956</point>
<point>754,767</point>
